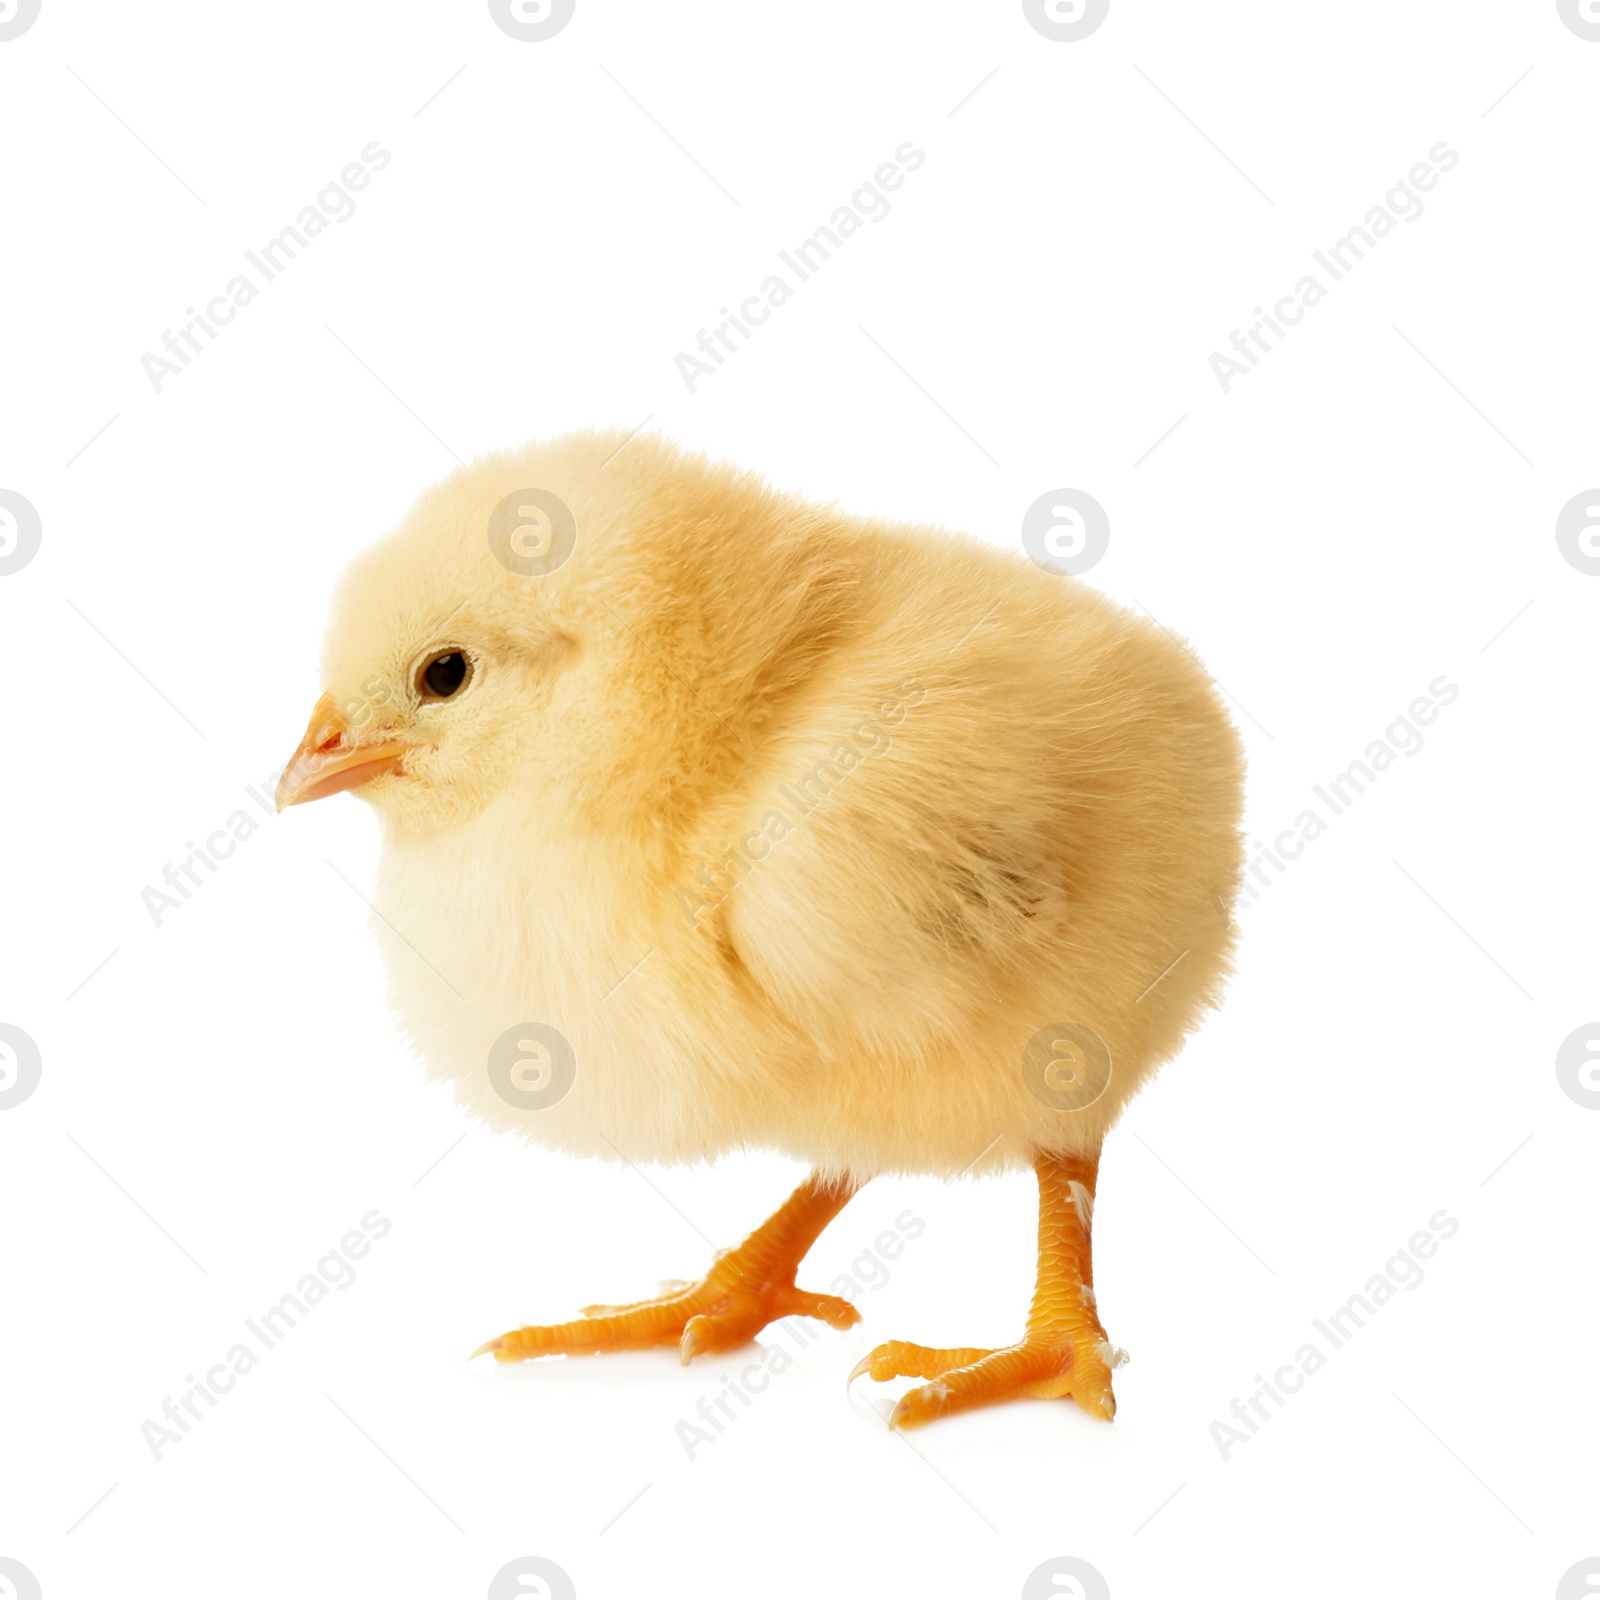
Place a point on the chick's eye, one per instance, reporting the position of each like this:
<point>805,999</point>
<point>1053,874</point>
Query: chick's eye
<point>442,675</point>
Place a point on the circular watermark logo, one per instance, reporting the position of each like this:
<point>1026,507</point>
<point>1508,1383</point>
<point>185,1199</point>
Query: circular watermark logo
<point>1065,1578</point>
<point>532,532</point>
<point>1066,531</point>
<point>15,1579</point>
<point>1582,16</point>
<point>1581,1582</point>
<point>19,523</point>
<point>1066,20</point>
<point>20,1068</point>
<point>1578,1066</point>
<point>531,1578</point>
<point>532,1066</point>
<point>532,20</point>
<point>1578,529</point>
<point>16,17</point>
<point>1067,1066</point>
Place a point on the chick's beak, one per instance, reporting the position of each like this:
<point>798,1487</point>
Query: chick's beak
<point>326,764</point>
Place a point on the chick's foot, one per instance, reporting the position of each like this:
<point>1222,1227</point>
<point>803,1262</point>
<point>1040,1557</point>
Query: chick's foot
<point>1064,1352</point>
<point>745,1289</point>
<point>1038,1368</point>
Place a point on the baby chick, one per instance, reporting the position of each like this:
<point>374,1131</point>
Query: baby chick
<point>747,823</point>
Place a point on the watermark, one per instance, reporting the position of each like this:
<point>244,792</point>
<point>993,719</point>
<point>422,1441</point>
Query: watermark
<point>16,17</point>
<point>532,22</point>
<point>334,203</point>
<point>717,1411</point>
<point>532,532</point>
<point>21,532</point>
<point>1066,21</point>
<point>1577,1066</point>
<point>335,1271</point>
<point>1580,1582</point>
<point>377,692</point>
<point>1577,532</point>
<point>1582,16</point>
<point>1403,1270</point>
<point>1066,532</point>
<point>868,203</point>
<point>1401,204</point>
<point>1065,1578</point>
<point>185,879</point>
<point>16,1582</point>
<point>867,1270</point>
<point>805,792</point>
<point>1403,737</point>
<point>21,1066</point>
<point>531,1577</point>
<point>532,1066</point>
<point>1066,1066</point>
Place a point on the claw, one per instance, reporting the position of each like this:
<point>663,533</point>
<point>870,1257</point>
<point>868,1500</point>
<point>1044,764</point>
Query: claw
<point>696,1336</point>
<point>899,1416</point>
<point>1103,1406</point>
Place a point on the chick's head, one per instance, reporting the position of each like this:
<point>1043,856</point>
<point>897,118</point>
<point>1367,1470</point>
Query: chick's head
<point>450,641</point>
<point>588,622</point>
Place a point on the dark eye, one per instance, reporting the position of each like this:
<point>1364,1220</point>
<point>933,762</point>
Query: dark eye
<point>443,674</point>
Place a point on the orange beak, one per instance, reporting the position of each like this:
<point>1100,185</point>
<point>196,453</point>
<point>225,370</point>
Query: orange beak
<point>324,764</point>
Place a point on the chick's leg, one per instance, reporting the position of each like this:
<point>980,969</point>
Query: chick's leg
<point>1064,1351</point>
<point>746,1288</point>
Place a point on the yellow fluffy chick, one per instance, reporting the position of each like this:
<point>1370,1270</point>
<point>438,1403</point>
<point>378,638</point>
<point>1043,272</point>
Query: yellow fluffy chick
<point>740,822</point>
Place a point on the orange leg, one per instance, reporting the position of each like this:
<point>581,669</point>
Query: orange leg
<point>1064,1351</point>
<point>745,1289</point>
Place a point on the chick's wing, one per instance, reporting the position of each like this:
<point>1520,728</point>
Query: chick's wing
<point>899,876</point>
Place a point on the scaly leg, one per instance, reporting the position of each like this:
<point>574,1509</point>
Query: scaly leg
<point>1064,1351</point>
<point>746,1288</point>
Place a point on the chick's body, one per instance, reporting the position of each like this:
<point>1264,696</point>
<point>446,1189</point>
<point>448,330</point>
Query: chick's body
<point>802,829</point>
<point>717,819</point>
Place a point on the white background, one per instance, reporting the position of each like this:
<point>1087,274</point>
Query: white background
<point>1374,506</point>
